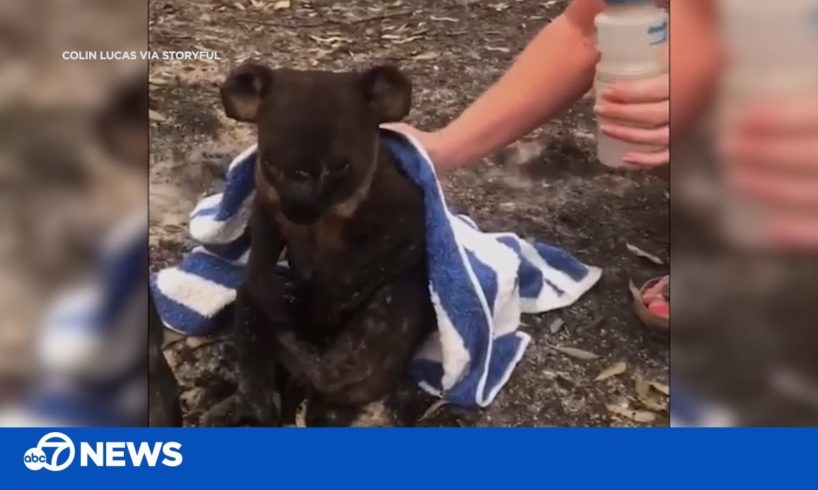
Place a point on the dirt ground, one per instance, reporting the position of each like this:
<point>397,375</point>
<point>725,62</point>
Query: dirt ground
<point>549,188</point>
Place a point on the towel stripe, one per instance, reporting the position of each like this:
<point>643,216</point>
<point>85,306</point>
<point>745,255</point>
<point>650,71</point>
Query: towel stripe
<point>195,293</point>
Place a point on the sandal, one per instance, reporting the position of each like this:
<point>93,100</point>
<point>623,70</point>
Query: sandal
<point>651,302</point>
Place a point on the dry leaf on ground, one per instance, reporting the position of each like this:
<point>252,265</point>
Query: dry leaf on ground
<point>661,388</point>
<point>649,396</point>
<point>429,55</point>
<point>156,116</point>
<point>443,19</point>
<point>576,353</point>
<point>645,255</point>
<point>433,408</point>
<point>613,370</point>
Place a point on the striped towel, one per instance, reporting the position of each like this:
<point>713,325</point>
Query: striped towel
<point>91,347</point>
<point>480,282</point>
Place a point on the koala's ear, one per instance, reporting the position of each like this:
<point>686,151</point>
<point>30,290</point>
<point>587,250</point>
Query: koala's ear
<point>244,89</point>
<point>388,92</point>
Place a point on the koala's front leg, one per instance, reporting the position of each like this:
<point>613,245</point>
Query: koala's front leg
<point>256,400</point>
<point>260,309</point>
<point>369,355</point>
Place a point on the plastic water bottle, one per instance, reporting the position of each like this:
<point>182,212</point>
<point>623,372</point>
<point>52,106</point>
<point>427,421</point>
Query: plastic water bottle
<point>772,48</point>
<point>632,37</point>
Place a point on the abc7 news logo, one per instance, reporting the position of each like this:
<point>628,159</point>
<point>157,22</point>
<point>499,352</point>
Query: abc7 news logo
<point>63,455</point>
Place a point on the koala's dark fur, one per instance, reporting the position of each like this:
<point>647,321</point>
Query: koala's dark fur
<point>357,305</point>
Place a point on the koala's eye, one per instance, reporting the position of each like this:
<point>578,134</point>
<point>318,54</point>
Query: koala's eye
<point>339,166</point>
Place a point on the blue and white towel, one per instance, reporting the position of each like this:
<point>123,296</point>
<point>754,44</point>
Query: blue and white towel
<point>480,282</point>
<point>91,347</point>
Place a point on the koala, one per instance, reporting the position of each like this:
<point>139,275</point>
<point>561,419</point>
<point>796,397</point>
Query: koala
<point>345,322</point>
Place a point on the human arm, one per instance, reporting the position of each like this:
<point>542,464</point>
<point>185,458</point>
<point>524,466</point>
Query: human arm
<point>544,80</point>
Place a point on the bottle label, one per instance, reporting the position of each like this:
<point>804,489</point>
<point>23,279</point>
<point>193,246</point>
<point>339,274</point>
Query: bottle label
<point>658,34</point>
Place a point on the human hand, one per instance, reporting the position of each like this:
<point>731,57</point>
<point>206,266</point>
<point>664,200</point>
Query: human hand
<point>771,157</point>
<point>434,142</point>
<point>638,112</point>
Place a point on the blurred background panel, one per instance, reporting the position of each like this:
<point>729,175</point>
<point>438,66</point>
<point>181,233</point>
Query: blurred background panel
<point>744,345</point>
<point>73,204</point>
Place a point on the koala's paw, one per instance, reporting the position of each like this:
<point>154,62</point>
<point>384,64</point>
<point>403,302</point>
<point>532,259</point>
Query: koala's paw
<point>244,409</point>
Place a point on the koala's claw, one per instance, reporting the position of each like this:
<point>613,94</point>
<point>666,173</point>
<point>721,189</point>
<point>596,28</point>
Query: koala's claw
<point>240,409</point>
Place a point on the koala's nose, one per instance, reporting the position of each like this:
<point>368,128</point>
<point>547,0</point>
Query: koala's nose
<point>300,190</point>
<point>299,197</point>
<point>300,202</point>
